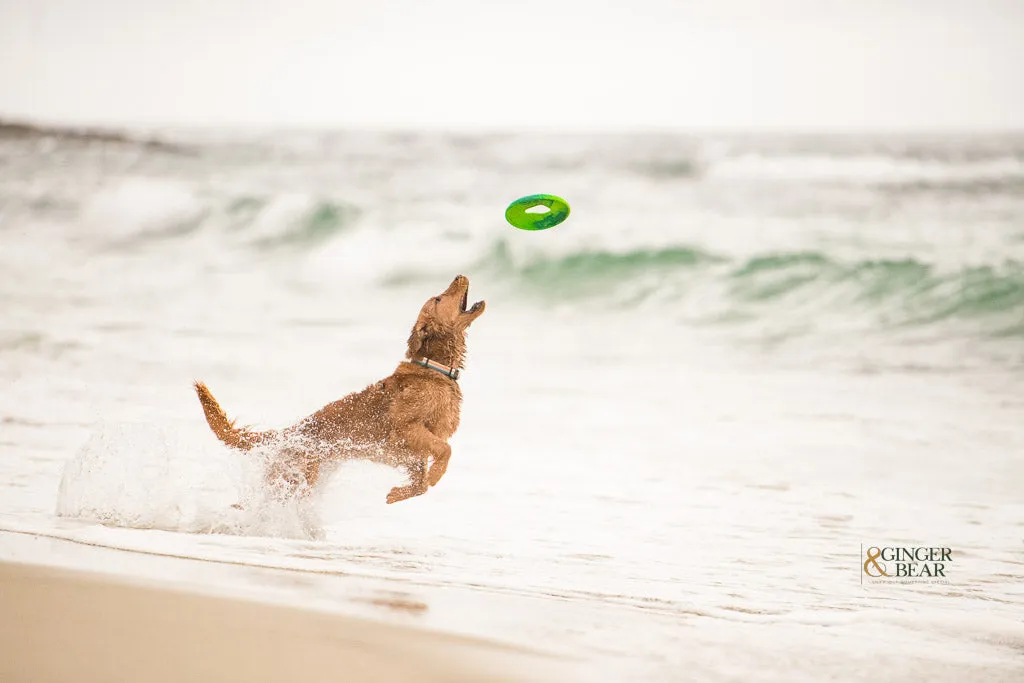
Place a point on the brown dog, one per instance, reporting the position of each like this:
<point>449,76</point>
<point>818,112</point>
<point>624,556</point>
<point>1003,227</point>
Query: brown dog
<point>404,420</point>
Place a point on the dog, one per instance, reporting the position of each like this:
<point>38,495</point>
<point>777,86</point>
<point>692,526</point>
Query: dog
<point>404,420</point>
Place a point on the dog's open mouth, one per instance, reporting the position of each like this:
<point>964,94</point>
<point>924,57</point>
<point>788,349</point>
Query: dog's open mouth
<point>465,301</point>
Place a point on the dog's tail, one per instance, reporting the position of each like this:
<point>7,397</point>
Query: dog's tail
<point>241,438</point>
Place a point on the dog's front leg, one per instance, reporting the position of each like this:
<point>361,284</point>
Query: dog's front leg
<point>439,451</point>
<point>417,483</point>
<point>422,444</point>
<point>440,465</point>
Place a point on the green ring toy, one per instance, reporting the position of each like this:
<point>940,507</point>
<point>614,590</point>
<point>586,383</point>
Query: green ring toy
<point>516,213</point>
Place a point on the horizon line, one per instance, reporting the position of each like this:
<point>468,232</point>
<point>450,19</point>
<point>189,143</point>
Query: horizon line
<point>43,124</point>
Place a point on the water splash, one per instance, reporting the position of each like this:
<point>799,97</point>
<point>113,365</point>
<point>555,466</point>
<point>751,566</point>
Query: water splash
<point>143,476</point>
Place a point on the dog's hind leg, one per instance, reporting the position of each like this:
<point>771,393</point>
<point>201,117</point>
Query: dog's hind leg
<point>292,472</point>
<point>312,472</point>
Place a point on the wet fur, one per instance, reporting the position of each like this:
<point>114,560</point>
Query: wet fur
<point>404,420</point>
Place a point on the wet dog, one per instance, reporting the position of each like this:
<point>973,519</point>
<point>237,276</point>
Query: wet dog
<point>404,420</point>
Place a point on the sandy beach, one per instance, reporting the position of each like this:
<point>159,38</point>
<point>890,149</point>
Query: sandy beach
<point>61,625</point>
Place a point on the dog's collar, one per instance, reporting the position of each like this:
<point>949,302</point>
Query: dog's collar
<point>443,369</point>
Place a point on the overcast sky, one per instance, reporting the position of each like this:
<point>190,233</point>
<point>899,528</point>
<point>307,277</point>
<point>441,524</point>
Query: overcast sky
<point>793,64</point>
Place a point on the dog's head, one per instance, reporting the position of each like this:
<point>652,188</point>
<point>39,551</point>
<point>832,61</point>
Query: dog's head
<point>440,330</point>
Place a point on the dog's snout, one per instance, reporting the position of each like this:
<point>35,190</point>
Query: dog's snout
<point>459,283</point>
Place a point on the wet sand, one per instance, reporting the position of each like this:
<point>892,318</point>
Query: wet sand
<point>67,626</point>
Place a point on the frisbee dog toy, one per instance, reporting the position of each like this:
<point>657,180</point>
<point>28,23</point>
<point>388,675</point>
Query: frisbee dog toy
<point>537,212</point>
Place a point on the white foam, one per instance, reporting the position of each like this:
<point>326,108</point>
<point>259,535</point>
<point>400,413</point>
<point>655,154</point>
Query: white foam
<point>130,207</point>
<point>865,169</point>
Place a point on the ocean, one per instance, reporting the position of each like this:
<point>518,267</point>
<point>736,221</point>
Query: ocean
<point>693,411</point>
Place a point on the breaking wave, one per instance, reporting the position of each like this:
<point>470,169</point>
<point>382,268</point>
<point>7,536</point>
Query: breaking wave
<point>894,293</point>
<point>666,220</point>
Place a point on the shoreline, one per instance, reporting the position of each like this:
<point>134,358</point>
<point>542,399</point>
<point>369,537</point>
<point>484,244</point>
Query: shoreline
<point>83,626</point>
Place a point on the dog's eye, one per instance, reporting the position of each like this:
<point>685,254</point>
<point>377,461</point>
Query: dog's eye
<point>437,299</point>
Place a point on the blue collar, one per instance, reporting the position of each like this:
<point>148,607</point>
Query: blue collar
<point>443,369</point>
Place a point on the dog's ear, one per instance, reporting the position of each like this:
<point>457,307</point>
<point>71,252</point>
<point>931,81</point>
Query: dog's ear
<point>416,337</point>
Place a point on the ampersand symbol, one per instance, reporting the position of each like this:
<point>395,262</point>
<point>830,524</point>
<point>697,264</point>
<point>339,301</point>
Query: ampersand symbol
<point>873,560</point>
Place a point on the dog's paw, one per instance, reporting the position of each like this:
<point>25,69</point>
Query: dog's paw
<point>396,494</point>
